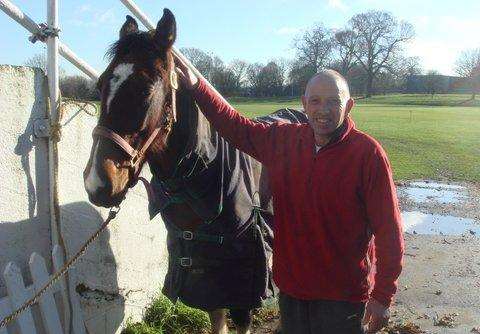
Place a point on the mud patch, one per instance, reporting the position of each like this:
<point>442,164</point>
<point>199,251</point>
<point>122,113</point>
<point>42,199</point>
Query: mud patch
<point>439,285</point>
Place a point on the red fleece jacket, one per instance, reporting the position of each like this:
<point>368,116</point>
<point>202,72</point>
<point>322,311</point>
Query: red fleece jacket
<point>326,205</point>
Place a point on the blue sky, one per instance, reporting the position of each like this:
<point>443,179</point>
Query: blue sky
<point>255,31</point>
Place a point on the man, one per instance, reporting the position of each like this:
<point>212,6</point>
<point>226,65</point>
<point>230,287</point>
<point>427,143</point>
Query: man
<point>332,190</point>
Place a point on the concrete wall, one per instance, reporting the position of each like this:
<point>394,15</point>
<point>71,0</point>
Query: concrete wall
<point>124,268</point>
<point>24,206</point>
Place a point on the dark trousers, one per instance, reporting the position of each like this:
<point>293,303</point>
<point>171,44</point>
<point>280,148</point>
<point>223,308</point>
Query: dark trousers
<point>320,316</point>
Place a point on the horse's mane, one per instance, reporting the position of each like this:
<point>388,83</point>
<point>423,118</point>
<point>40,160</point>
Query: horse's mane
<point>141,42</point>
<point>196,128</point>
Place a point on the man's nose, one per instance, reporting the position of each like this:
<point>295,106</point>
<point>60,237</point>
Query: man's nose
<point>323,110</point>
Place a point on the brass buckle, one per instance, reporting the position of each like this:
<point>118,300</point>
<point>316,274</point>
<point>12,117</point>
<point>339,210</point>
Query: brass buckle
<point>173,80</point>
<point>134,160</point>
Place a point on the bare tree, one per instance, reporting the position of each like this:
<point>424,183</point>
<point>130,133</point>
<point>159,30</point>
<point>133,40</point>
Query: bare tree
<point>78,87</point>
<point>254,78</point>
<point>37,60</point>
<point>202,61</point>
<point>344,45</point>
<point>266,80</point>
<point>298,76</point>
<point>468,66</point>
<point>314,47</point>
<point>239,68</point>
<point>433,82</point>
<point>379,38</point>
<point>406,69</point>
<point>40,61</point>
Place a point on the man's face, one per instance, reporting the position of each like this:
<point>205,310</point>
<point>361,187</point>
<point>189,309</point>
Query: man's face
<point>326,105</point>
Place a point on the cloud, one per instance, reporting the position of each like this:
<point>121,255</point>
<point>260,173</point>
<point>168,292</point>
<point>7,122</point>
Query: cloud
<point>461,25</point>
<point>84,8</point>
<point>440,41</point>
<point>106,17</point>
<point>286,31</point>
<point>337,4</point>
<point>93,17</point>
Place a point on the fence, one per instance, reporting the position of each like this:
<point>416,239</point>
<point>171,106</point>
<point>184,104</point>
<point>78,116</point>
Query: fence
<point>50,312</point>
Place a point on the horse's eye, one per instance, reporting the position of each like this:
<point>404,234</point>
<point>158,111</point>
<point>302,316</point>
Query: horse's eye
<point>115,77</point>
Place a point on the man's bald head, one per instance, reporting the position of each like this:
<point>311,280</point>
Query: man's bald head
<point>328,77</point>
<point>326,102</point>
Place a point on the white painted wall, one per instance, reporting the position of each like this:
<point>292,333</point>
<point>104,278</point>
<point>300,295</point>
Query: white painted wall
<point>24,207</point>
<point>124,268</point>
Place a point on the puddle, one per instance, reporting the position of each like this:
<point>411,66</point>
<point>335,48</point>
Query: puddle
<point>434,224</point>
<point>424,192</point>
<point>429,184</point>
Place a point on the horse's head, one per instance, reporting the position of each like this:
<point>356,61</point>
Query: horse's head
<point>137,109</point>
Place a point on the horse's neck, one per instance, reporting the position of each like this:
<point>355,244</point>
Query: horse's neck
<point>164,163</point>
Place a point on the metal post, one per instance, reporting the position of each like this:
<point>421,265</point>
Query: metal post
<point>53,87</point>
<point>149,25</point>
<point>15,13</point>
<point>68,54</point>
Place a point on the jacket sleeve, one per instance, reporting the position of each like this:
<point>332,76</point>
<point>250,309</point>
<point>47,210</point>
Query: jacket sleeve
<point>255,139</point>
<point>385,221</point>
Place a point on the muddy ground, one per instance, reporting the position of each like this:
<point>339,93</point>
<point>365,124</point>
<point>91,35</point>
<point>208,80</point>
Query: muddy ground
<point>439,289</point>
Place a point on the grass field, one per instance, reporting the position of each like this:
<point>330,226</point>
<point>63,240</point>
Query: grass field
<point>435,138</point>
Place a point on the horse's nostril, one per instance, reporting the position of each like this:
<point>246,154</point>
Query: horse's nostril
<point>103,190</point>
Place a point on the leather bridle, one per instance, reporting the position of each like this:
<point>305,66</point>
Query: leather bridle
<point>137,155</point>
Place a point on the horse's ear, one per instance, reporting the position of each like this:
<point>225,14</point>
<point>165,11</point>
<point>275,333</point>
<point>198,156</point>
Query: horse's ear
<point>166,30</point>
<point>129,27</point>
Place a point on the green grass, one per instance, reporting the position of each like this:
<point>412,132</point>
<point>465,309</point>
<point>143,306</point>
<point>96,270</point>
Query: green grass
<point>440,141</point>
<point>451,100</point>
<point>163,317</point>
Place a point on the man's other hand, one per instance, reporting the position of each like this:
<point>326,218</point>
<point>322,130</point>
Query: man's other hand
<point>376,316</point>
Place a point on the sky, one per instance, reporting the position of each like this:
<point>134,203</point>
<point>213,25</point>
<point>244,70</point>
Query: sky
<point>255,31</point>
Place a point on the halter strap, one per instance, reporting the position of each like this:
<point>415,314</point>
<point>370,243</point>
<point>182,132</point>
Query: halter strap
<point>102,131</point>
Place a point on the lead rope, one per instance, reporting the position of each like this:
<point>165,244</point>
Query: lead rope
<point>14,315</point>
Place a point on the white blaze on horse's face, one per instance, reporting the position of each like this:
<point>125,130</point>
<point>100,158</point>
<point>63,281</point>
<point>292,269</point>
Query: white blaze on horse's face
<point>119,75</point>
<point>93,182</point>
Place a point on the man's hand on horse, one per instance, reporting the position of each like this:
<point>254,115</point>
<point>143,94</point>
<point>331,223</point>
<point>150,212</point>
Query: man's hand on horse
<point>376,316</point>
<point>185,74</point>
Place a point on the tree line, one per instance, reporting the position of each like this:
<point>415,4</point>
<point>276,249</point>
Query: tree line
<point>369,51</point>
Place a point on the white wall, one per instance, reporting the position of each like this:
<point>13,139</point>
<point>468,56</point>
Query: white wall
<point>124,268</point>
<point>24,207</point>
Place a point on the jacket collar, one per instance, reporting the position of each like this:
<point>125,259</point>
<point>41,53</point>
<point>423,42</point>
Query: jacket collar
<point>339,135</point>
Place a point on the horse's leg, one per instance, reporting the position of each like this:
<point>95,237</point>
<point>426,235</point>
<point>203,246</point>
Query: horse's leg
<point>242,318</point>
<point>218,318</point>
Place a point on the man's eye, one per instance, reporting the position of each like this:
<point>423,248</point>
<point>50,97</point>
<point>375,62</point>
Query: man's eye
<point>333,103</point>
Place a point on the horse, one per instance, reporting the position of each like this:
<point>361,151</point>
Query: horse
<point>213,199</point>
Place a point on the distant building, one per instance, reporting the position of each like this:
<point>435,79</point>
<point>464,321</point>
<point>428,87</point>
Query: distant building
<point>422,84</point>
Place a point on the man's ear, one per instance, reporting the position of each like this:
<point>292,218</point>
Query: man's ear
<point>304,103</point>
<point>349,106</point>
